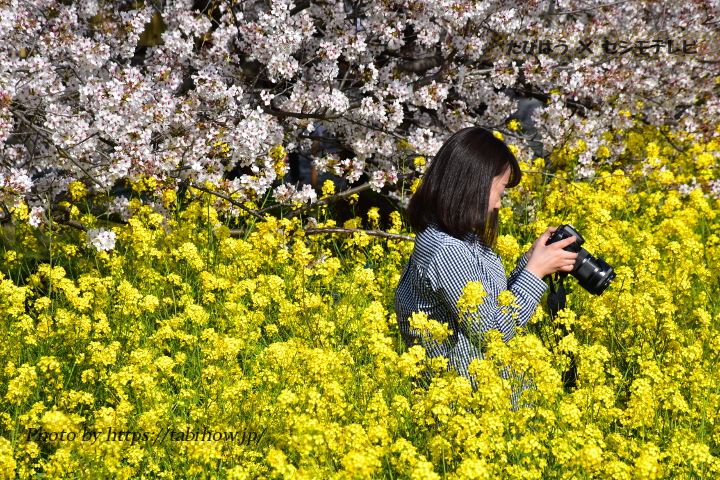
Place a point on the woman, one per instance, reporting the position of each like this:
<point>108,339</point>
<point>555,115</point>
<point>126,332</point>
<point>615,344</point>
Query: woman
<point>454,214</point>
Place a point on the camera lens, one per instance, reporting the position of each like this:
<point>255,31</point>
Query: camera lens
<point>593,274</point>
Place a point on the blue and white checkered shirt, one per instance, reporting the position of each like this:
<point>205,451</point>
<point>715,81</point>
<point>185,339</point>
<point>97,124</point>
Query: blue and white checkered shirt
<point>432,281</point>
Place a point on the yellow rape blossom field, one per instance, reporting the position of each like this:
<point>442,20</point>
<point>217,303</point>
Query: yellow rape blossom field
<point>188,352</point>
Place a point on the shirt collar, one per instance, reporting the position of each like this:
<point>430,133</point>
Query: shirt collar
<point>470,237</point>
<point>467,237</point>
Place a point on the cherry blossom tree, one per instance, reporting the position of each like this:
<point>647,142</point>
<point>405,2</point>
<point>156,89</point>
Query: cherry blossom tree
<point>84,96</point>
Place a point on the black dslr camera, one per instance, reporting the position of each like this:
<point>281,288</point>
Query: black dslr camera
<point>593,274</point>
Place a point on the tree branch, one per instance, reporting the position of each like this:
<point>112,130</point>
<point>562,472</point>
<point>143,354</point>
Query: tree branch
<point>7,216</point>
<point>315,231</point>
<point>283,113</point>
<point>588,9</point>
<point>65,218</point>
<point>64,153</point>
<point>374,233</point>
<point>228,198</point>
<point>444,64</point>
<point>331,199</point>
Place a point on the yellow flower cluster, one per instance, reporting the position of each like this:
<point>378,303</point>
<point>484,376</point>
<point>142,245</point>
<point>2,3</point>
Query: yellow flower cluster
<point>472,297</point>
<point>144,183</point>
<point>77,190</point>
<point>514,125</point>
<point>508,303</point>
<point>430,329</point>
<point>279,156</point>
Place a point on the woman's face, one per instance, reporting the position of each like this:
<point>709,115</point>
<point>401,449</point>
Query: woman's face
<point>498,187</point>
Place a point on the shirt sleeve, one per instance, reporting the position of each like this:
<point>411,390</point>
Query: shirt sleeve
<point>521,264</point>
<point>453,266</point>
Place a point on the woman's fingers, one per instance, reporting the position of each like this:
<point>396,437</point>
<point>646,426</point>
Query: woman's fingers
<point>546,235</point>
<point>570,258</point>
<point>555,259</point>
<point>564,242</point>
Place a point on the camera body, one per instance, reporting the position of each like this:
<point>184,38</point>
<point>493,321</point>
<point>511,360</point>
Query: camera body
<point>593,274</point>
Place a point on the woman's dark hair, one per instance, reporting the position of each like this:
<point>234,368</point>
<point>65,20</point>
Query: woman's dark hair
<point>455,190</point>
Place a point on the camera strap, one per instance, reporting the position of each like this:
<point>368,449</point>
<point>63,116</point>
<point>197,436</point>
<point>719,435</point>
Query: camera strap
<point>556,302</point>
<point>556,298</point>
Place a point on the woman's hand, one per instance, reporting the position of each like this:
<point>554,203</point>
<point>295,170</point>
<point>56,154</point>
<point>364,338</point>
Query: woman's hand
<point>529,253</point>
<point>546,259</point>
